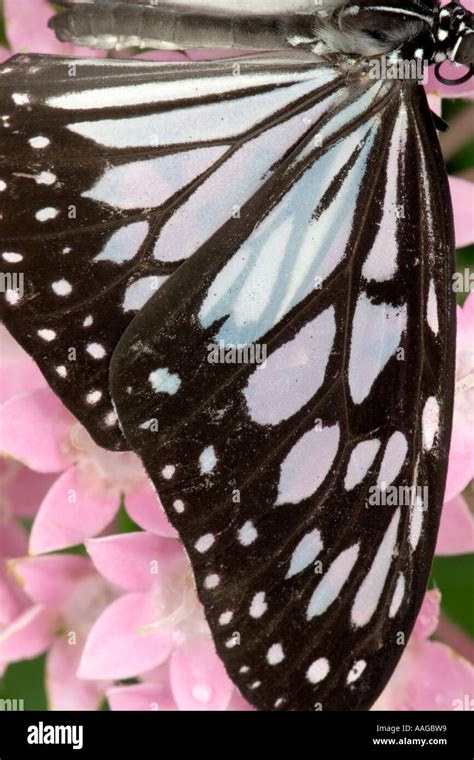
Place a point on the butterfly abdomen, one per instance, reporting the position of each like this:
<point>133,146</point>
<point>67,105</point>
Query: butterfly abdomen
<point>120,25</point>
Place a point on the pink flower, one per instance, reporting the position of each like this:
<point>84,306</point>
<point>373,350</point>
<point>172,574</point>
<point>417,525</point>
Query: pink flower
<point>21,491</point>
<point>461,464</point>
<point>52,605</point>
<point>28,32</point>
<point>429,676</point>
<point>19,373</point>
<point>85,483</point>
<point>157,620</point>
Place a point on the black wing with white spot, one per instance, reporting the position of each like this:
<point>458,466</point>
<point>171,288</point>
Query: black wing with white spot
<point>307,489</point>
<point>112,173</point>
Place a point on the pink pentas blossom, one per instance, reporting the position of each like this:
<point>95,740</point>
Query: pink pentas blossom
<point>157,619</point>
<point>61,596</point>
<point>461,462</point>
<point>37,431</point>
<point>429,676</point>
<point>21,492</point>
<point>26,23</point>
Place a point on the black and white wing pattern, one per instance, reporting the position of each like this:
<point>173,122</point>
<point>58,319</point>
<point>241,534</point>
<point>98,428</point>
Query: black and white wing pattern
<point>308,490</point>
<point>108,172</point>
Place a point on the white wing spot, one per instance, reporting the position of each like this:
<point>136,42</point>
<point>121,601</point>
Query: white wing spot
<point>61,371</point>
<point>417,510</point>
<point>178,506</point>
<point>88,321</point>
<point>110,419</point>
<point>432,309</point>
<point>318,670</point>
<point>45,214</point>
<point>371,588</point>
<point>168,471</point>
<point>258,606</point>
<point>430,422</point>
<point>3,185</point>
<point>393,459</point>
<point>376,333</point>
<point>20,98</point>
<point>12,258</point>
<point>207,460</point>
<point>12,296</point>
<point>204,543</point>
<point>47,335</point>
<point>147,424</point>
<point>211,581</point>
<point>275,654</point>
<point>62,287</point>
<point>45,178</point>
<point>397,596</point>
<point>226,617</point>
<point>247,533</point>
<point>96,350</point>
<point>307,464</point>
<point>305,553</point>
<point>39,142</point>
<point>356,671</point>
<point>244,669</point>
<point>93,397</point>
<point>164,381</point>
<point>360,462</point>
<point>140,292</point>
<point>333,580</point>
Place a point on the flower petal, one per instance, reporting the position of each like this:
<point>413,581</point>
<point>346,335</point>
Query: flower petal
<point>142,696</point>
<point>34,428</point>
<point>462,193</point>
<point>239,704</point>
<point>456,532</point>
<point>144,507</point>
<point>119,647</point>
<point>19,372</point>
<point>13,600</point>
<point>50,579</point>
<point>69,514</point>
<point>23,489</point>
<point>133,561</point>
<point>198,678</point>
<point>13,540</point>
<point>29,32</point>
<point>429,676</point>
<point>64,690</point>
<point>28,635</point>
<point>428,616</point>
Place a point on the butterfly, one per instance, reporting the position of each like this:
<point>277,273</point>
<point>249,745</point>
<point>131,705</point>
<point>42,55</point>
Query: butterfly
<point>242,270</point>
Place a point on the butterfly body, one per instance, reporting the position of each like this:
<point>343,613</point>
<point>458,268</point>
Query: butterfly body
<point>413,28</point>
<point>285,202</point>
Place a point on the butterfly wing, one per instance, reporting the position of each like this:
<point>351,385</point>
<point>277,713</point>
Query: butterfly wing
<point>307,491</point>
<point>97,159</point>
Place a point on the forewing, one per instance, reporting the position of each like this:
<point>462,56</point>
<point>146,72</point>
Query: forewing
<point>339,268</point>
<point>112,173</point>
